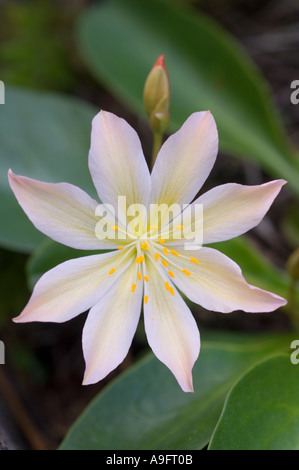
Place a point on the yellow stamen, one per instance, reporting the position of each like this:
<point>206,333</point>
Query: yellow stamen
<point>146,278</point>
<point>154,227</point>
<point>112,271</point>
<point>161,240</point>
<point>139,259</point>
<point>133,287</point>
<point>170,273</point>
<point>146,299</point>
<point>179,227</point>
<point>167,285</point>
<point>171,290</point>
<point>173,252</point>
<point>186,272</point>
<point>164,263</point>
<point>165,250</point>
<point>157,256</point>
<point>194,260</point>
<point>120,247</point>
<point>144,246</point>
<point>115,227</point>
<point>139,275</point>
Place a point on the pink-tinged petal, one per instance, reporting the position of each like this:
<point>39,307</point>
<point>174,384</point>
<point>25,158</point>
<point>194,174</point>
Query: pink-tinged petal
<point>110,327</point>
<point>61,211</point>
<point>171,330</point>
<point>116,162</point>
<point>185,160</point>
<point>215,282</point>
<point>232,209</point>
<point>73,287</point>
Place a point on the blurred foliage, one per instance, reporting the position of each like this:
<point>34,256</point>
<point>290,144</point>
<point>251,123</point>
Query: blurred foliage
<point>46,136</point>
<point>36,47</point>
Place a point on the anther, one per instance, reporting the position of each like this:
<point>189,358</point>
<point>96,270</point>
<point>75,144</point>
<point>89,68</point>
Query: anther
<point>179,227</point>
<point>115,227</point>
<point>185,271</point>
<point>139,275</point>
<point>146,278</point>
<point>133,287</point>
<point>165,250</point>
<point>194,260</point>
<point>120,247</point>
<point>164,263</point>
<point>139,259</point>
<point>112,271</point>
<point>157,256</point>
<point>170,273</point>
<point>173,252</point>
<point>161,240</point>
<point>146,299</point>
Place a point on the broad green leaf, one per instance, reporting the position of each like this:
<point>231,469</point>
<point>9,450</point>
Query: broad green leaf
<point>262,412</point>
<point>43,136</point>
<point>144,408</point>
<point>120,41</point>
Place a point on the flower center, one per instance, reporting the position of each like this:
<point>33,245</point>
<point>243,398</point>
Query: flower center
<point>150,246</point>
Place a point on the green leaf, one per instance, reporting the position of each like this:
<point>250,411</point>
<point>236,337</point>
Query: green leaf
<point>43,136</point>
<point>262,412</point>
<point>144,408</point>
<point>120,41</point>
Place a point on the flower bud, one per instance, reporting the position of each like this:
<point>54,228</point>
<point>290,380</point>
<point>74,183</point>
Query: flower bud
<point>293,265</point>
<point>156,96</point>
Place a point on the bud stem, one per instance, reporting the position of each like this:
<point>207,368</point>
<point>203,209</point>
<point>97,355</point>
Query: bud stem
<point>157,142</point>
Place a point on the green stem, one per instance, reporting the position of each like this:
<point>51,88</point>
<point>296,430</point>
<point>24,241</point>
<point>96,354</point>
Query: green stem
<point>157,142</point>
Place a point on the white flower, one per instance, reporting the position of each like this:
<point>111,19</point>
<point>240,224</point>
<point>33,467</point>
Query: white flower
<point>145,268</point>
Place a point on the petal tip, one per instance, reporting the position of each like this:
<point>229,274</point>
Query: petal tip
<point>19,319</point>
<point>187,386</point>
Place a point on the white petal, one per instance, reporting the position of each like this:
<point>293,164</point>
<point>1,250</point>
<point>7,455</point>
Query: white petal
<point>116,162</point>
<point>185,160</point>
<point>232,209</point>
<point>110,327</point>
<point>73,287</point>
<point>171,330</point>
<point>61,211</point>
<point>216,283</point>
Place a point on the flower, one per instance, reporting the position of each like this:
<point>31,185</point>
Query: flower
<point>144,268</point>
